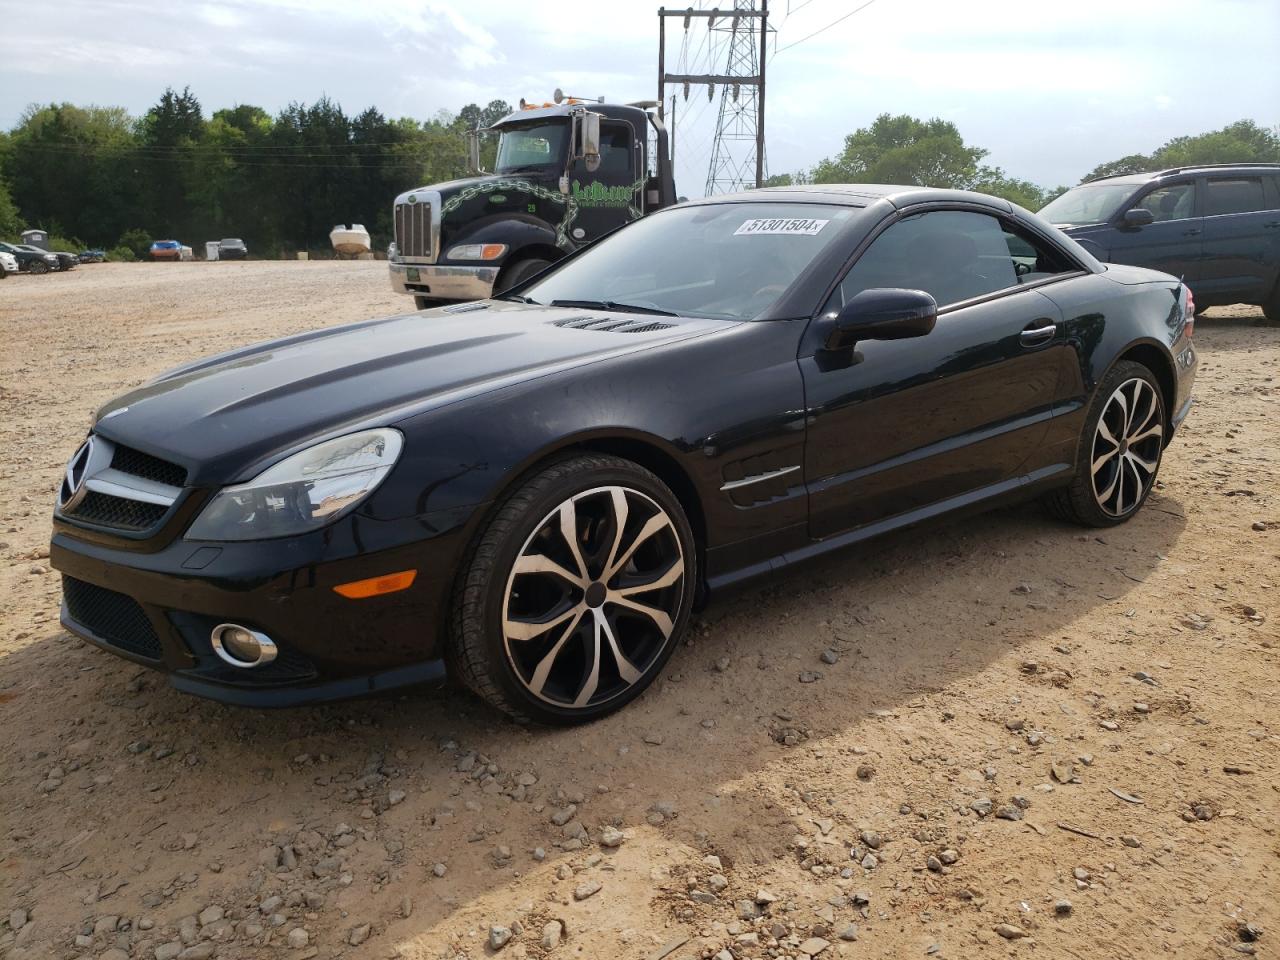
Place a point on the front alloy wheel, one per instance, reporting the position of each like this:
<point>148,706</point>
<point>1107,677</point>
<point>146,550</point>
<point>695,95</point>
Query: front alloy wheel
<point>592,598</point>
<point>568,617</point>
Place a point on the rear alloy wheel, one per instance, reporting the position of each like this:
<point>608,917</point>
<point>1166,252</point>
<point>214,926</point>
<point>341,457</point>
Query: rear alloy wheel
<point>1120,450</point>
<point>1126,447</point>
<point>567,617</point>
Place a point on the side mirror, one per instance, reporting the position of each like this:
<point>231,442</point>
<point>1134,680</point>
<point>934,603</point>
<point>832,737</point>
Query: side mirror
<point>885,313</point>
<point>473,152</point>
<point>1138,217</point>
<point>589,132</point>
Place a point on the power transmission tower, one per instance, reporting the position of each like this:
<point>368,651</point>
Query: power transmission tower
<point>738,153</point>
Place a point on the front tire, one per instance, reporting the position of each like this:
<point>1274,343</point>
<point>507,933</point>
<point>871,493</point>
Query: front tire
<point>576,592</point>
<point>519,272</point>
<point>39,266</point>
<point>1119,453</point>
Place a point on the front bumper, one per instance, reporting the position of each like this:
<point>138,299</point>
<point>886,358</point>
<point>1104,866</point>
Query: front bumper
<point>158,609</point>
<point>442,282</point>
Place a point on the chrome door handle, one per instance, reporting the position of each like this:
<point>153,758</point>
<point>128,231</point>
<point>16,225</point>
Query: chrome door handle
<point>1038,332</point>
<point>1191,233</point>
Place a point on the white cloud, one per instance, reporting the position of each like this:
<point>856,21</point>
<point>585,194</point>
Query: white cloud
<point>1050,89</point>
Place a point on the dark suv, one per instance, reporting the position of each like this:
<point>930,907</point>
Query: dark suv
<point>1215,226</point>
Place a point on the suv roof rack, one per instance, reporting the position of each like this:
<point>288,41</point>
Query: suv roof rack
<point>1169,171</point>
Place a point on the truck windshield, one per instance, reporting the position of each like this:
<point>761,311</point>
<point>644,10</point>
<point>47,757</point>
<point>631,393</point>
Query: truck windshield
<point>1088,203</point>
<point>726,261</point>
<point>522,148</point>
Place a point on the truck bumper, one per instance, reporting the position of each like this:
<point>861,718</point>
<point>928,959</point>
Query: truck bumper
<point>443,282</point>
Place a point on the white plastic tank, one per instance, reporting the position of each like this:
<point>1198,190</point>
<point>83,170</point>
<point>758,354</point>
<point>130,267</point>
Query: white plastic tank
<point>211,249</point>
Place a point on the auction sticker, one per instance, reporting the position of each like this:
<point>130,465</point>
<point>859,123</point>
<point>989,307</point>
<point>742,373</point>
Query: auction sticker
<point>783,225</point>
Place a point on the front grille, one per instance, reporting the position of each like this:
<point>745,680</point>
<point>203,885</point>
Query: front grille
<point>413,230</point>
<point>139,464</point>
<point>111,617</point>
<point>118,512</point>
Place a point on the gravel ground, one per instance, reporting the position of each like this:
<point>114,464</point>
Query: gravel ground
<point>1016,737</point>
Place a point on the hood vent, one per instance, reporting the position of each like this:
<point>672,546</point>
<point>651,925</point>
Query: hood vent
<point>612,324</point>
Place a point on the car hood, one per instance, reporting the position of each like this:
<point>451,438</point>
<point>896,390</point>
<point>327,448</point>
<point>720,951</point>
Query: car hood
<point>227,417</point>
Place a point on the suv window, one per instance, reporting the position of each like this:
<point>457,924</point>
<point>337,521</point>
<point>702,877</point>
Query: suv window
<point>1240,195</point>
<point>1177,201</point>
<point>952,254</point>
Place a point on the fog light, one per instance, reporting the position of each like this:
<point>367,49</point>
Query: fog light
<point>242,647</point>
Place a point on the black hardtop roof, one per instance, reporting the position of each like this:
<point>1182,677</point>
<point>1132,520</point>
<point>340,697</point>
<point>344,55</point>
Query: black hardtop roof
<point>1189,168</point>
<point>861,195</point>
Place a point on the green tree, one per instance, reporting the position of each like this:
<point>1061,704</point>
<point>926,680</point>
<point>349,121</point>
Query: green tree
<point>908,150</point>
<point>1240,142</point>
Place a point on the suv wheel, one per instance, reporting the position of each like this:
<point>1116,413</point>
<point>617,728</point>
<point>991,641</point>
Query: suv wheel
<point>1271,307</point>
<point>576,593</point>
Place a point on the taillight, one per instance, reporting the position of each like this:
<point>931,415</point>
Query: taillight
<point>1189,312</point>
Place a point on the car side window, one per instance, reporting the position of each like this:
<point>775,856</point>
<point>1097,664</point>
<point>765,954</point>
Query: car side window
<point>1177,201</point>
<point>953,255</point>
<point>1033,259</point>
<point>1238,195</point>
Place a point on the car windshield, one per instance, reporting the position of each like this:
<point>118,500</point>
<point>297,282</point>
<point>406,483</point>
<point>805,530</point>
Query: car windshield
<point>522,148</point>
<point>726,260</point>
<point>1087,203</point>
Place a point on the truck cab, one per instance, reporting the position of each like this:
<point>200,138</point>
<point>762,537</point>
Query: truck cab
<point>566,173</point>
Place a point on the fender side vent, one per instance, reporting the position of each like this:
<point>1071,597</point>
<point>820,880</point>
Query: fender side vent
<point>611,324</point>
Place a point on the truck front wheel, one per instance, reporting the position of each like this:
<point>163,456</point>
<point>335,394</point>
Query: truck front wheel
<point>518,272</point>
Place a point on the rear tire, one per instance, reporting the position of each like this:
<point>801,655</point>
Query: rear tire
<point>1118,457</point>
<point>575,593</point>
<point>519,272</point>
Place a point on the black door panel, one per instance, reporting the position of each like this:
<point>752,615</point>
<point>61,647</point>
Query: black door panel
<point>913,422</point>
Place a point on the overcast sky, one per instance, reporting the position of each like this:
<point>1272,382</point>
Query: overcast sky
<point>1050,88</point>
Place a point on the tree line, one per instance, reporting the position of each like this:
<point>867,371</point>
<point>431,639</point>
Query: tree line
<point>905,149</point>
<point>96,176</point>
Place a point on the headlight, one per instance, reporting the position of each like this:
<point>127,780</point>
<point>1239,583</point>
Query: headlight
<point>476,251</point>
<point>302,493</point>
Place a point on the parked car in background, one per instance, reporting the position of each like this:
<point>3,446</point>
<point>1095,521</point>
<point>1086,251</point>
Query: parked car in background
<point>232,250</point>
<point>92,256</point>
<point>166,250</point>
<point>8,265</point>
<point>66,260</point>
<point>1215,226</point>
<point>533,491</point>
<point>30,259</point>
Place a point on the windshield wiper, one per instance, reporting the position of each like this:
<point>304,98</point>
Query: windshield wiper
<point>614,305</point>
<point>517,297</point>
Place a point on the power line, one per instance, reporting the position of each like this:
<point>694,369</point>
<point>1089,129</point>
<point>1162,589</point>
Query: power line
<point>824,29</point>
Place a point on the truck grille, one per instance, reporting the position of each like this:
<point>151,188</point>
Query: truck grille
<point>111,617</point>
<point>108,511</point>
<point>413,231</point>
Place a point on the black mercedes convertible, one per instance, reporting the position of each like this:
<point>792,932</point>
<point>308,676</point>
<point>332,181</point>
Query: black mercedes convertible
<point>532,493</point>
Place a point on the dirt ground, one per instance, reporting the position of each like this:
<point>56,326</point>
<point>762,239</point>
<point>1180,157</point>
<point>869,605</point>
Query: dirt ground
<point>1025,739</point>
